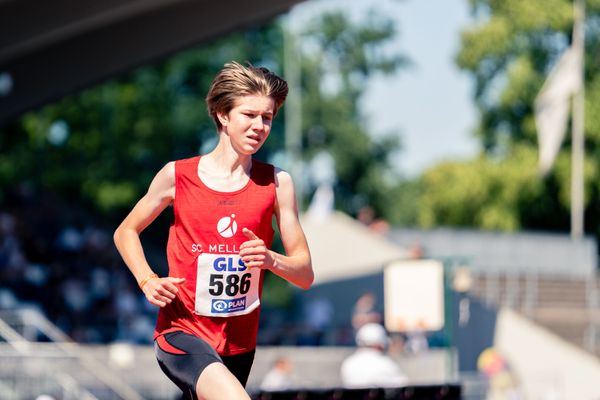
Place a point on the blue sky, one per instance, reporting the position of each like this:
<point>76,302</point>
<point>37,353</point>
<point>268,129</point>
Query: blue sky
<point>430,103</point>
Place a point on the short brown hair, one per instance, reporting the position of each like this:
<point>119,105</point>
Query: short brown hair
<point>236,80</point>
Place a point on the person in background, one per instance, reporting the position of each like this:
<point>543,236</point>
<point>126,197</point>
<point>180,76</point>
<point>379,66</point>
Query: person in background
<point>365,311</point>
<point>219,244</point>
<point>279,377</point>
<point>416,339</point>
<point>369,365</point>
<point>318,320</point>
<point>502,382</point>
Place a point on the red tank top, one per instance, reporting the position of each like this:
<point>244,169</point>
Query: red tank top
<point>220,299</point>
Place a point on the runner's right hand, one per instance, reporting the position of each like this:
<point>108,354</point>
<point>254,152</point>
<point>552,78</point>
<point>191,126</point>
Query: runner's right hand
<point>162,291</point>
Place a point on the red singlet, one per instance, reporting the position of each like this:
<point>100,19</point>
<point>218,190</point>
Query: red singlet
<point>220,299</point>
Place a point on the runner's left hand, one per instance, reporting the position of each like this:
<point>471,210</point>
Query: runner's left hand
<point>254,252</point>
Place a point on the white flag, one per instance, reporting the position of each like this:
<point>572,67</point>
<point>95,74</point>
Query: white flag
<point>552,105</point>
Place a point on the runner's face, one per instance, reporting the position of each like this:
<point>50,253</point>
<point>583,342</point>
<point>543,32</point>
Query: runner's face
<point>248,124</point>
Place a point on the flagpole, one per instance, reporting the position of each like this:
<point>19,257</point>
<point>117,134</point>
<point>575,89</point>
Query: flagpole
<point>577,129</point>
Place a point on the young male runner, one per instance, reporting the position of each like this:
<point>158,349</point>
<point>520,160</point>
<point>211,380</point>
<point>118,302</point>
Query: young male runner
<point>219,243</point>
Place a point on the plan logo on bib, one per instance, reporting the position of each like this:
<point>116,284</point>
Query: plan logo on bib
<point>221,306</point>
<point>227,227</point>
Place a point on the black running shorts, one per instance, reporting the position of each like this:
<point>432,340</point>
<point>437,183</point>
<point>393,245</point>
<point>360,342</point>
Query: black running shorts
<point>183,357</point>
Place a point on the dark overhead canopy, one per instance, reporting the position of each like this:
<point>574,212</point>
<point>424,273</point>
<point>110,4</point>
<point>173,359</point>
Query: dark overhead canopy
<point>49,48</point>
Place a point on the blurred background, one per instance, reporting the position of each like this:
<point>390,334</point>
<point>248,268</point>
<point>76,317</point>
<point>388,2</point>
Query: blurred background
<point>414,131</point>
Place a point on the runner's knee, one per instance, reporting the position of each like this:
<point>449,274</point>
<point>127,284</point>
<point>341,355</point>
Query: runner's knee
<point>216,382</point>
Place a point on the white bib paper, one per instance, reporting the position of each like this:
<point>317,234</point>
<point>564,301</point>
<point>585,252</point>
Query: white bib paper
<point>225,286</point>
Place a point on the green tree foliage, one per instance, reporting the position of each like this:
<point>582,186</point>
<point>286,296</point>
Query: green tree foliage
<point>509,51</point>
<point>333,80</point>
<point>102,146</point>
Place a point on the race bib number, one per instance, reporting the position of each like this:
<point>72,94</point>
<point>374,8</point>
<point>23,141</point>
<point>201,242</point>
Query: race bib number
<point>225,286</point>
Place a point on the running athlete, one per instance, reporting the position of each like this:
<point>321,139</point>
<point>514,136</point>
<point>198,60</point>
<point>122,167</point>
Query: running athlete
<point>219,243</point>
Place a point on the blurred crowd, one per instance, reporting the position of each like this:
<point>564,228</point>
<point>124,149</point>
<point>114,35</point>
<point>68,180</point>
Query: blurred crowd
<point>56,259</point>
<point>59,262</point>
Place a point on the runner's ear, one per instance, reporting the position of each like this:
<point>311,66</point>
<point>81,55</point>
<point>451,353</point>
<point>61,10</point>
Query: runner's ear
<point>223,118</point>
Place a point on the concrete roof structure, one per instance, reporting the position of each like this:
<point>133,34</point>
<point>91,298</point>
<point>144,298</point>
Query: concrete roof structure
<point>55,47</point>
<point>543,253</point>
<point>342,248</point>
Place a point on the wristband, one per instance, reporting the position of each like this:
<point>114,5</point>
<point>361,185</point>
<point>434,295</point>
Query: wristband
<point>146,279</point>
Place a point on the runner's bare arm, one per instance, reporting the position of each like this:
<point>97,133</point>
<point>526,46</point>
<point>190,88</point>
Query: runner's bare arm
<point>158,291</point>
<point>295,266</point>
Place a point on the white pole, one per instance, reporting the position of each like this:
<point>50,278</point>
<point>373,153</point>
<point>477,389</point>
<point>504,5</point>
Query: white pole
<point>293,107</point>
<point>578,140</point>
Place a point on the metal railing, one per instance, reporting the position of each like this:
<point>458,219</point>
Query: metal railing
<point>521,292</point>
<point>58,361</point>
